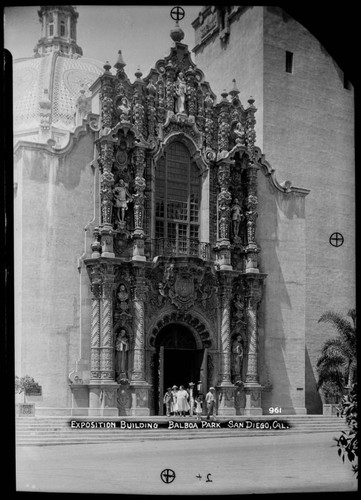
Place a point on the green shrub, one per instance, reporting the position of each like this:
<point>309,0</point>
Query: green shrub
<point>347,442</point>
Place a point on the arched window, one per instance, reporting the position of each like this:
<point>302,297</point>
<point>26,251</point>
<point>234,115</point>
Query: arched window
<point>177,197</point>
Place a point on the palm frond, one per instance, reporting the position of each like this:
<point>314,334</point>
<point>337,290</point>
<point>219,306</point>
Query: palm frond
<point>337,347</point>
<point>341,324</point>
<point>352,314</point>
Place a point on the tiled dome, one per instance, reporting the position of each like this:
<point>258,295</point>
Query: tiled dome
<point>50,78</point>
<point>47,86</point>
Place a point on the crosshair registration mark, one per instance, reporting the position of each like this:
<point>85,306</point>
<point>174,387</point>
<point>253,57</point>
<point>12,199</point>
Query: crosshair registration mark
<point>177,13</point>
<point>167,476</point>
<point>336,239</point>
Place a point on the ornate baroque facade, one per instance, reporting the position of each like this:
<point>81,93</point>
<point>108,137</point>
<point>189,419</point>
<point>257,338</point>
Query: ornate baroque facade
<point>170,257</point>
<point>167,252</point>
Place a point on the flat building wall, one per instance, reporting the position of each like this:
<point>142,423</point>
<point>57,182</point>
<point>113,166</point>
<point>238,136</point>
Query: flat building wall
<point>56,204</point>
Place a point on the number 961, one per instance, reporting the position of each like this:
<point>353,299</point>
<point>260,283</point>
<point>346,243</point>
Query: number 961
<point>276,409</point>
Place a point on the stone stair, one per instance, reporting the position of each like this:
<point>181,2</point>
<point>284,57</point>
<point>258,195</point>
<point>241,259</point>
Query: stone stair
<point>57,430</point>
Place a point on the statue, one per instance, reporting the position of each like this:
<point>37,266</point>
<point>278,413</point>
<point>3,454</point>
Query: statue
<point>122,198</point>
<point>181,88</point>
<point>239,132</point>
<point>121,354</point>
<point>237,217</point>
<point>162,295</point>
<point>124,109</point>
<point>237,357</point>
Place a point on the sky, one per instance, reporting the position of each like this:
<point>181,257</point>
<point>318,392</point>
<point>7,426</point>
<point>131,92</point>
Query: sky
<point>140,32</point>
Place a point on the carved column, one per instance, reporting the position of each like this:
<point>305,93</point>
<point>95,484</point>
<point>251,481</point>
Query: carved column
<point>224,200</point>
<point>169,89</point>
<point>139,386</point>
<point>138,108</point>
<point>138,235</point>
<point>96,289</point>
<point>106,194</point>
<point>225,388</point>
<point>191,92</point>
<point>107,341</point>
<point>224,174</point>
<point>251,180</point>
<point>102,386</point>
<point>252,386</point>
<point>251,216</point>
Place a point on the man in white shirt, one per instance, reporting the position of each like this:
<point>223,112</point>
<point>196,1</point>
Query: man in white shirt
<point>210,400</point>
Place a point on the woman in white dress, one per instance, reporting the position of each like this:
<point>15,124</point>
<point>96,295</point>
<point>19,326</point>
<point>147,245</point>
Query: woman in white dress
<point>173,405</point>
<point>182,403</point>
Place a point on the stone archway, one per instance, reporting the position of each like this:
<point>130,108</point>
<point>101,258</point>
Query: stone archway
<point>195,324</point>
<point>180,345</point>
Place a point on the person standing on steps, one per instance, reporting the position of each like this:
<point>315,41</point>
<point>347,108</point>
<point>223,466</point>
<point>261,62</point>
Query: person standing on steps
<point>173,405</point>
<point>210,400</point>
<point>182,403</point>
<point>167,400</point>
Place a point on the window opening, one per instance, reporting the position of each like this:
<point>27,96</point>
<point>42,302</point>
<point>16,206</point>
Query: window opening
<point>177,202</point>
<point>289,62</point>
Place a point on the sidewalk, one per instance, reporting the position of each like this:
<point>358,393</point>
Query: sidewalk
<point>270,464</point>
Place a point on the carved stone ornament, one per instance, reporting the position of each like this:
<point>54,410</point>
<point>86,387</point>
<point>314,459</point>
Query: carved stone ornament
<point>183,295</point>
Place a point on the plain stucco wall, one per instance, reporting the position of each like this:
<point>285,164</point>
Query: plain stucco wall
<point>281,236</point>
<point>54,210</point>
<point>309,138</point>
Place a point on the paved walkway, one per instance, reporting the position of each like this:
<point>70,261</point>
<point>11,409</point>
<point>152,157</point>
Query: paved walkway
<point>272,464</point>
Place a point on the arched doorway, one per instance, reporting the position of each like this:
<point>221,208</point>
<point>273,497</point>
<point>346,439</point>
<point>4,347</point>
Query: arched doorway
<point>180,361</point>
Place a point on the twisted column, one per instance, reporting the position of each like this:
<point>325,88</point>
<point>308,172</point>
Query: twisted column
<point>107,341</point>
<point>226,293</point>
<point>96,290</point>
<point>252,334</point>
<point>139,291</point>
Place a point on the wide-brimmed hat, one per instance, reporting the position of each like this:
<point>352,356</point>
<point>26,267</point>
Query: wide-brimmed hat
<point>174,387</point>
<point>191,383</point>
<point>212,389</point>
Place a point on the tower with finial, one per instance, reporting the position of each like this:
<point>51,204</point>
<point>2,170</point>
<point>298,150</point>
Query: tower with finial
<point>58,31</point>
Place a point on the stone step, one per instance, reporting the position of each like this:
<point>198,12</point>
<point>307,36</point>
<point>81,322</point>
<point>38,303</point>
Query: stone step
<point>151,436</point>
<point>46,431</point>
<point>56,430</point>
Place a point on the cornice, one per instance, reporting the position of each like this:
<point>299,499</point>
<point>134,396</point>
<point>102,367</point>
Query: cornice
<point>284,187</point>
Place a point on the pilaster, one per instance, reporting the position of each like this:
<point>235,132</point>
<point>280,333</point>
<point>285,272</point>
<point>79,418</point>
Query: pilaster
<point>225,388</point>
<point>139,185</point>
<point>252,387</point>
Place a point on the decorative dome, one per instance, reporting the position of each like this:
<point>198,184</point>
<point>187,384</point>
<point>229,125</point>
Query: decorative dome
<point>47,87</point>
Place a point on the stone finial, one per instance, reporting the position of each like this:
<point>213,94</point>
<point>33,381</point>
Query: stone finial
<point>119,65</point>
<point>234,92</point>
<point>107,67</point>
<point>224,95</point>
<point>177,34</point>
<point>138,74</point>
<point>250,101</point>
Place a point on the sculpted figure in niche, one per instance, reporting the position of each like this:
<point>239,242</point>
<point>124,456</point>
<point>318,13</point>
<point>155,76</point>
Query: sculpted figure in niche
<point>181,88</point>
<point>122,198</point>
<point>237,357</point>
<point>162,295</point>
<point>121,354</point>
<point>237,217</point>
<point>239,132</point>
<point>123,109</point>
